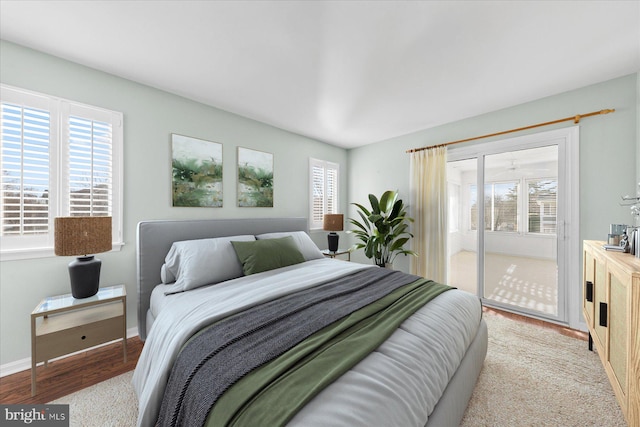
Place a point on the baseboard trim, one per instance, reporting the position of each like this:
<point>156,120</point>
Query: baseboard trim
<point>25,364</point>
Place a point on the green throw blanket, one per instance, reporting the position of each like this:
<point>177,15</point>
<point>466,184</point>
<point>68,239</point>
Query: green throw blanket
<point>272,395</point>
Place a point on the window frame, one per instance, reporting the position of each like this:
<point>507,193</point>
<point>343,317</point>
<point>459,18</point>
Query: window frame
<point>325,166</point>
<point>60,109</point>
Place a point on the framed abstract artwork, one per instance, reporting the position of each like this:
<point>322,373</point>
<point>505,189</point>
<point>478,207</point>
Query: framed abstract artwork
<point>255,178</point>
<point>196,172</point>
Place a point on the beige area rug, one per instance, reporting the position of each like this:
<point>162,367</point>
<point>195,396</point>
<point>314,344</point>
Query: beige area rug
<point>531,377</point>
<point>534,376</point>
<point>111,403</point>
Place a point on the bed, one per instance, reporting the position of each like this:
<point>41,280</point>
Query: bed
<point>422,371</point>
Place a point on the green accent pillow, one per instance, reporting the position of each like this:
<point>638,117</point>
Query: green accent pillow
<point>268,254</point>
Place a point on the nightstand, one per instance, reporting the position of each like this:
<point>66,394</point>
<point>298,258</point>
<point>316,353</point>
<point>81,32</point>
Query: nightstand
<point>330,254</point>
<point>62,325</point>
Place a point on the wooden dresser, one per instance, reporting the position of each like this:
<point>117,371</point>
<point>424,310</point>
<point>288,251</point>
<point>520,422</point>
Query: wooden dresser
<point>611,307</point>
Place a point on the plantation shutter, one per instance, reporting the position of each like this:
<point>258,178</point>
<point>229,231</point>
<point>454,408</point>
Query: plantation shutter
<point>25,170</point>
<point>317,208</point>
<point>324,191</point>
<point>90,167</point>
<point>332,190</point>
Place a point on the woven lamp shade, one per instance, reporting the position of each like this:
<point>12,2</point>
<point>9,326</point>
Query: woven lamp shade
<point>333,222</point>
<point>82,235</point>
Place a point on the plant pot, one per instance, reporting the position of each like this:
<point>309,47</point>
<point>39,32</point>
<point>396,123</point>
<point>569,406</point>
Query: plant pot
<point>388,265</point>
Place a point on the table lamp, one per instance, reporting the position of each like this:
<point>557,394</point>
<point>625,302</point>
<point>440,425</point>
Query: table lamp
<point>83,235</point>
<point>333,223</point>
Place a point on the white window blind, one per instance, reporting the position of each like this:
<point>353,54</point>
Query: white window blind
<point>324,179</point>
<point>25,170</point>
<point>59,158</point>
<point>89,168</point>
<point>317,193</point>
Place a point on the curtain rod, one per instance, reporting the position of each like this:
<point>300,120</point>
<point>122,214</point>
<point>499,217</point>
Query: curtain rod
<point>576,119</point>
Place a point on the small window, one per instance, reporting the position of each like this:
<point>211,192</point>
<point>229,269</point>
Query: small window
<point>542,205</point>
<point>500,206</point>
<point>58,158</point>
<point>324,180</point>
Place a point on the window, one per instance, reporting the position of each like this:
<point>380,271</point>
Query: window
<point>57,158</point>
<point>500,207</point>
<point>324,190</point>
<point>542,202</point>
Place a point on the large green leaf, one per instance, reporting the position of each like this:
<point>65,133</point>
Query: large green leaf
<point>387,200</point>
<point>396,245</point>
<point>375,206</point>
<point>362,208</point>
<point>397,208</point>
<point>401,228</point>
<point>375,218</point>
<point>365,225</point>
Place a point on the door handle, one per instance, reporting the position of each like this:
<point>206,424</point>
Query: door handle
<point>589,291</point>
<point>560,230</point>
<point>603,314</point>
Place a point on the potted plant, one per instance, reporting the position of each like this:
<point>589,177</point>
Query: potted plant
<point>383,231</point>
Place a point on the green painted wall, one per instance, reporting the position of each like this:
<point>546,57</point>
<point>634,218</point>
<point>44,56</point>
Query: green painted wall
<point>150,116</point>
<point>609,150</point>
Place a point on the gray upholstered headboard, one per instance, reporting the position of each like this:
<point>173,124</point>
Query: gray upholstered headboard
<point>154,239</point>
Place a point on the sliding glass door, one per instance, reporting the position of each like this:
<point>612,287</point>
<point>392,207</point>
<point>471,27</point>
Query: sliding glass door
<point>507,224</point>
<point>520,239</point>
<point>463,237</point>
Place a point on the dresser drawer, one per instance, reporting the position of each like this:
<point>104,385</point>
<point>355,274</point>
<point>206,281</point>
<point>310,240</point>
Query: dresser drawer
<point>69,332</point>
<point>78,338</point>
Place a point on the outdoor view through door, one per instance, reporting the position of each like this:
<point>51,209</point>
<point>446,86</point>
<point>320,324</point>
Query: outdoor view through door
<point>514,214</point>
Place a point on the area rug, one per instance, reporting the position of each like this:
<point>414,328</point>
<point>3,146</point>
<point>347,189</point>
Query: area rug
<point>532,376</point>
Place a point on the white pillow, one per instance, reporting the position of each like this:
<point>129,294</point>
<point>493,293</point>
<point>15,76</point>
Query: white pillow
<point>201,262</point>
<point>306,246</point>
<point>165,275</point>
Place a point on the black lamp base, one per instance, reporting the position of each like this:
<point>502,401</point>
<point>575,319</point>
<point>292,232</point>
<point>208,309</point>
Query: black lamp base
<point>332,240</point>
<point>84,273</point>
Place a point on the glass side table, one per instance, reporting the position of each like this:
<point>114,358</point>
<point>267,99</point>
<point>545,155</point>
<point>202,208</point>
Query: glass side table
<point>331,254</point>
<point>62,325</point>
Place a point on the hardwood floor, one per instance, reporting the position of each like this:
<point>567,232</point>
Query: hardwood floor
<point>65,376</point>
<point>74,373</point>
<point>541,323</point>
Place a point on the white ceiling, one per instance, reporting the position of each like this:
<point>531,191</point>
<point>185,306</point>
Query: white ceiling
<point>348,73</point>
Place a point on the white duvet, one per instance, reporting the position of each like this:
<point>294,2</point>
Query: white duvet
<point>398,384</point>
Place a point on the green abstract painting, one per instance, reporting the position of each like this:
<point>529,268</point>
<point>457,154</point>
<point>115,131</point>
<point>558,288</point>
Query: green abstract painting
<point>196,172</point>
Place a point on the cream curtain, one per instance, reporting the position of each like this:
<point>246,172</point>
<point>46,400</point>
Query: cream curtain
<point>429,209</point>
